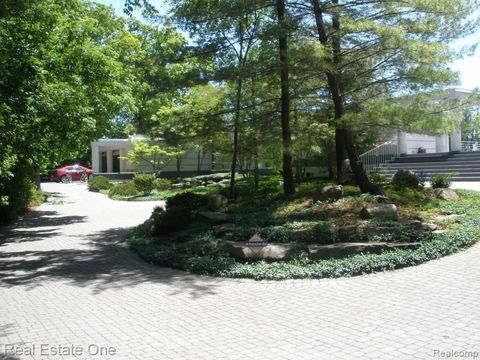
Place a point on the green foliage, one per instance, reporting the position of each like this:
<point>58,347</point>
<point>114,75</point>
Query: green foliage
<point>441,181</point>
<point>21,193</point>
<point>308,232</point>
<point>187,200</point>
<point>98,183</point>
<point>125,189</point>
<point>62,81</point>
<point>162,184</point>
<point>377,178</point>
<point>173,219</point>
<point>144,182</point>
<point>149,153</point>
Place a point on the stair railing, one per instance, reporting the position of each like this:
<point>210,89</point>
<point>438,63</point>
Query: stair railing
<point>468,146</point>
<point>373,159</point>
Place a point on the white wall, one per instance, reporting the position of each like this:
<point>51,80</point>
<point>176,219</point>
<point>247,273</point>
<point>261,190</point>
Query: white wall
<point>414,141</point>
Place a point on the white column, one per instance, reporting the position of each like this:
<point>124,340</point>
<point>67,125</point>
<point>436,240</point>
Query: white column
<point>402,143</point>
<point>95,159</point>
<point>109,161</point>
<point>456,140</point>
<point>442,143</point>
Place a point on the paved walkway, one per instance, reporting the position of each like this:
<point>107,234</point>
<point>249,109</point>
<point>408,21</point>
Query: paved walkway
<point>67,279</point>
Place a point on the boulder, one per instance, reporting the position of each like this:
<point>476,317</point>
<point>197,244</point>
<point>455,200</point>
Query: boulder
<point>345,233</point>
<point>330,192</point>
<point>417,224</point>
<point>223,229</point>
<point>446,194</point>
<point>217,201</point>
<point>380,211</point>
<point>405,178</point>
<point>270,251</point>
<point>178,186</point>
<point>215,218</point>
<point>340,250</point>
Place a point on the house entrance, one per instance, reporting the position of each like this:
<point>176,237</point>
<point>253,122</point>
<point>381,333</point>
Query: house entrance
<point>116,161</point>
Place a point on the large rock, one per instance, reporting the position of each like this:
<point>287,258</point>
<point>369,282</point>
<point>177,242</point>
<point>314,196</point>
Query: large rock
<point>405,178</point>
<point>417,224</point>
<point>340,250</point>
<point>215,218</point>
<point>380,211</point>
<point>217,201</point>
<point>446,194</point>
<point>223,229</point>
<point>270,251</point>
<point>329,192</point>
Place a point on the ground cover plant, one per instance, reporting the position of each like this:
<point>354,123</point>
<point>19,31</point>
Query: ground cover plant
<point>300,220</point>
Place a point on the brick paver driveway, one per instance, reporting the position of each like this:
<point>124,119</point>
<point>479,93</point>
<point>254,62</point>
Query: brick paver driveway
<point>67,280</point>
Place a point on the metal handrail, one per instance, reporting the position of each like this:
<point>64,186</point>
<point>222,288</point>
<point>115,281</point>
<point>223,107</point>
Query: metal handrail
<point>373,159</point>
<point>468,146</point>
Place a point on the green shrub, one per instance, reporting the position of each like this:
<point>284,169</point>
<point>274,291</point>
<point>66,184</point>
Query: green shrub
<point>123,190</point>
<point>441,181</point>
<point>162,184</point>
<point>98,183</point>
<point>377,178</point>
<point>144,183</point>
<point>187,200</point>
<point>173,219</point>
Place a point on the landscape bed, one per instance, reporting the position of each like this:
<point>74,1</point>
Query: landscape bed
<point>197,247</point>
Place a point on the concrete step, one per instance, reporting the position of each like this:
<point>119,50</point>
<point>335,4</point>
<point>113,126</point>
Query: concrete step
<point>466,165</point>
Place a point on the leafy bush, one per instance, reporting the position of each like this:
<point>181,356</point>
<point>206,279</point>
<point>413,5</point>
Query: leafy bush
<point>441,181</point>
<point>405,178</point>
<point>377,178</point>
<point>123,190</point>
<point>144,183</point>
<point>162,184</point>
<point>187,200</point>
<point>173,219</point>
<point>98,183</point>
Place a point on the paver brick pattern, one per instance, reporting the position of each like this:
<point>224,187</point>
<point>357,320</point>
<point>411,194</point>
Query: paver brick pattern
<point>66,277</point>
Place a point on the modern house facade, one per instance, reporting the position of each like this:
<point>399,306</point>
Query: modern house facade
<point>108,159</point>
<point>409,143</point>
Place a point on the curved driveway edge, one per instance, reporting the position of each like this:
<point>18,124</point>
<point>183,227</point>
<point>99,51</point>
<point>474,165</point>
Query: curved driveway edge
<point>67,279</point>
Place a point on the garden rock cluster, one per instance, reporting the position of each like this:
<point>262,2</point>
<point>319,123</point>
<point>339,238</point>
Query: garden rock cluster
<point>329,193</point>
<point>221,179</point>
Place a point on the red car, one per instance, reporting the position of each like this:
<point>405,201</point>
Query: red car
<point>69,173</point>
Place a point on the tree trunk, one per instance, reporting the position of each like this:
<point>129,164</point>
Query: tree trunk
<point>338,102</point>
<point>287,173</point>
<point>256,172</point>
<point>340,152</point>
<point>199,164</point>
<point>235,140</point>
<point>179,162</point>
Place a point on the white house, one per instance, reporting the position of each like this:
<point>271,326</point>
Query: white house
<point>409,143</point>
<point>108,154</point>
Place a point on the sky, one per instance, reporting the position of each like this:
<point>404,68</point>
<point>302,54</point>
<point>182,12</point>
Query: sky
<point>468,67</point>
